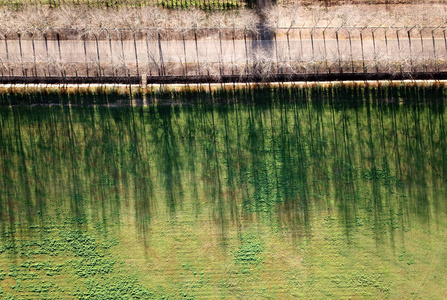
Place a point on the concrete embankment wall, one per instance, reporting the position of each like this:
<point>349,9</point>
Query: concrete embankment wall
<point>395,91</point>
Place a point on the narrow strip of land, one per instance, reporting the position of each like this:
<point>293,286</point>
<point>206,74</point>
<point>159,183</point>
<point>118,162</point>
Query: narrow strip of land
<point>220,57</point>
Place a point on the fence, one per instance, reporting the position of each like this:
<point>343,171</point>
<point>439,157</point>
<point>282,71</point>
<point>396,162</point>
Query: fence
<point>204,4</point>
<point>172,4</point>
<point>217,52</point>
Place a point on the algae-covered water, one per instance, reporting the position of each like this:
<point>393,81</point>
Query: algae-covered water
<point>279,200</point>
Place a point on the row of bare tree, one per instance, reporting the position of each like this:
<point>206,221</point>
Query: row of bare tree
<point>217,51</point>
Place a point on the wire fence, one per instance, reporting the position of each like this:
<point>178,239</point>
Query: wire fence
<point>170,4</point>
<point>182,4</point>
<point>217,52</point>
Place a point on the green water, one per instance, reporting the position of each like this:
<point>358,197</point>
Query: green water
<point>239,201</point>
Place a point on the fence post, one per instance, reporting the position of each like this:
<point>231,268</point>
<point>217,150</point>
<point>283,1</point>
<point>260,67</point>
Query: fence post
<point>422,49</point>
<point>19,35</point>
<point>301,46</point>
<point>122,51</point>
<point>197,51</point>
<point>221,65</point>
<point>276,50</point>
<point>6,48</point>
<point>111,54</point>
<point>59,45</point>
<point>386,42</point>
<point>85,54</point>
<point>160,52</point>
<point>434,44</point>
<point>185,69</point>
<point>409,43</point>
<point>374,49</point>
<point>312,42</point>
<point>422,41</point>
<point>246,51</point>
<point>98,56</point>
<point>313,49</point>
<point>148,55</point>
<point>325,52</point>
<point>34,55</point>
<point>288,45</point>
<point>363,54</point>
<point>136,52</point>
<point>350,50</point>
<point>445,41</point>
<point>233,59</point>
<point>398,47</point>
<point>7,54</point>
<point>48,56</point>
<point>60,52</point>
<point>340,69</point>
<point>434,50</point>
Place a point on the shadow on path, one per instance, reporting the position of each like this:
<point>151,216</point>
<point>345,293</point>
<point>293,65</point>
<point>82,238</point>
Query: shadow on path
<point>262,46</point>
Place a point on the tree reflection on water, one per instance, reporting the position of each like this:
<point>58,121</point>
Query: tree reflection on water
<point>285,162</point>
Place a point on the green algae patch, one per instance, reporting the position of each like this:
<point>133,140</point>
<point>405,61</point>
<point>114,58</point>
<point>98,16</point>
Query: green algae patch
<point>252,199</point>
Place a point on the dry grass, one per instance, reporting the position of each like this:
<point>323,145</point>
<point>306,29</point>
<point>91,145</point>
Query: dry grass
<point>357,15</point>
<point>43,18</point>
<point>82,17</point>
